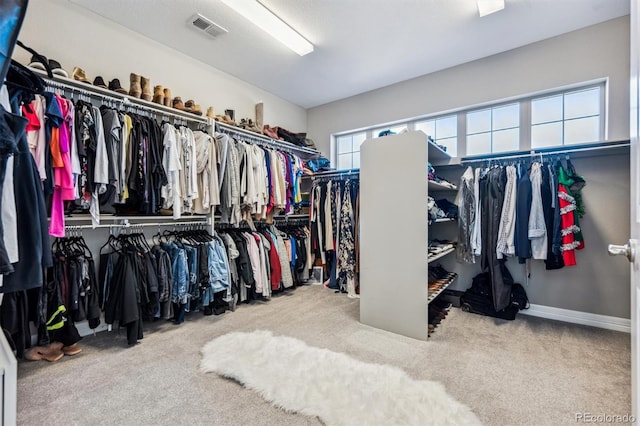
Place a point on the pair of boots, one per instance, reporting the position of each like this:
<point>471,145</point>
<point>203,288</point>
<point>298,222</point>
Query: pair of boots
<point>140,87</point>
<point>162,95</point>
<point>52,352</point>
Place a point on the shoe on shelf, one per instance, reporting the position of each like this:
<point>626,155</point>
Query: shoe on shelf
<point>167,97</point>
<point>158,95</point>
<point>57,69</point>
<point>145,86</point>
<point>211,113</point>
<point>178,104</point>
<point>190,105</point>
<point>197,109</point>
<point>38,63</point>
<point>135,89</point>
<point>79,75</point>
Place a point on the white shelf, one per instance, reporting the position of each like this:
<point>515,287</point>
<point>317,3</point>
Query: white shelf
<point>437,186</point>
<point>441,254</point>
<point>432,296</point>
<point>437,154</point>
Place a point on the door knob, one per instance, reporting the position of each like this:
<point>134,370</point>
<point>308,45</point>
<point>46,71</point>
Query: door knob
<point>627,250</point>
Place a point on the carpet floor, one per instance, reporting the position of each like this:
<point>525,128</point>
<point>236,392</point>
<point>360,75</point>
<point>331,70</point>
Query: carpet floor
<point>529,371</point>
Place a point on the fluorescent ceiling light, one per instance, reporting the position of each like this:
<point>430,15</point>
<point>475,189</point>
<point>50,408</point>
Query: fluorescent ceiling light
<point>487,7</point>
<point>271,24</point>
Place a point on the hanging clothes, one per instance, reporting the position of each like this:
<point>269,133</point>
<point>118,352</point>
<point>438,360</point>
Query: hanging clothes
<point>465,201</point>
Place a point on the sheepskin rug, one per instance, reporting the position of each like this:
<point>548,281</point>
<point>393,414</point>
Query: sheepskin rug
<point>340,390</point>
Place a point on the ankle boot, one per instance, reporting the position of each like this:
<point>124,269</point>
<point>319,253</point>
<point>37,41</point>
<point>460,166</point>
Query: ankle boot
<point>134,89</point>
<point>211,113</point>
<point>158,95</point>
<point>167,97</point>
<point>146,88</point>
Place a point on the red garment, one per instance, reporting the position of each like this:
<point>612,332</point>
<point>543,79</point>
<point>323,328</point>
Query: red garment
<point>274,261</point>
<point>568,226</point>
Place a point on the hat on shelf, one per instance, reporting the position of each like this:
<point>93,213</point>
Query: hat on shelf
<point>57,69</point>
<point>99,82</point>
<point>116,87</point>
<point>78,74</point>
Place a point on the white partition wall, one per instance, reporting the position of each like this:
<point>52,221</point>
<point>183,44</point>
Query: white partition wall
<point>393,234</point>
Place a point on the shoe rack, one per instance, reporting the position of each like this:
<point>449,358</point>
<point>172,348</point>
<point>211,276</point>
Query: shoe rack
<point>439,278</point>
<point>394,233</point>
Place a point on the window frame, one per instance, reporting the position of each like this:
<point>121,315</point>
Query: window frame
<point>524,128</point>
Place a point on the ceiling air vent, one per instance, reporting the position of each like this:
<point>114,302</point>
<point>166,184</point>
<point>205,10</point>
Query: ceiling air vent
<point>207,25</point>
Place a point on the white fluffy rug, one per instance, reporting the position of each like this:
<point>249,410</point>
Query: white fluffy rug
<point>338,389</point>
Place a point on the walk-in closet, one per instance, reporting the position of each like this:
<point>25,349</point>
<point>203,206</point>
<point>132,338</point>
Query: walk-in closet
<point>275,212</point>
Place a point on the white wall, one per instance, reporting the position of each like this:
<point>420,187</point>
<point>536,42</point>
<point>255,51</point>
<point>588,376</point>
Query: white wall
<point>73,36</point>
<point>598,284</point>
<point>594,52</point>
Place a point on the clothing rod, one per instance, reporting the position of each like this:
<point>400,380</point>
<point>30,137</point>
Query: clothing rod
<point>134,225</point>
<point>337,173</point>
<point>549,151</point>
<point>126,100</point>
<point>226,128</point>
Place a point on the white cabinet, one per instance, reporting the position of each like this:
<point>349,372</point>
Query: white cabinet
<point>394,232</point>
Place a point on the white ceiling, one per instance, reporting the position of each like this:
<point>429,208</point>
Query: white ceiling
<point>360,45</point>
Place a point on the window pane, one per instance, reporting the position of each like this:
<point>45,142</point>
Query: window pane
<point>582,130</point>
<point>446,127</point>
<point>479,121</point>
<point>549,134</point>
<point>506,140</point>
<point>546,109</point>
<point>344,144</point>
<point>358,138</point>
<point>344,161</point>
<point>356,160</point>
<point>506,117</point>
<point>479,144</point>
<point>428,127</point>
<point>451,144</point>
<point>583,103</point>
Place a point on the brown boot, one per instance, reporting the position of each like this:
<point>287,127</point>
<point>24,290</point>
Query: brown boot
<point>211,113</point>
<point>135,90</point>
<point>178,104</point>
<point>158,95</point>
<point>146,88</point>
<point>167,97</point>
<point>52,352</point>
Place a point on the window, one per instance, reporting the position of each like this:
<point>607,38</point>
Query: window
<point>555,118</point>
<point>443,131</point>
<point>567,118</point>
<point>495,129</point>
<point>348,150</point>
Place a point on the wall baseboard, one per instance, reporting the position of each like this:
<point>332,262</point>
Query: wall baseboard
<point>577,317</point>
